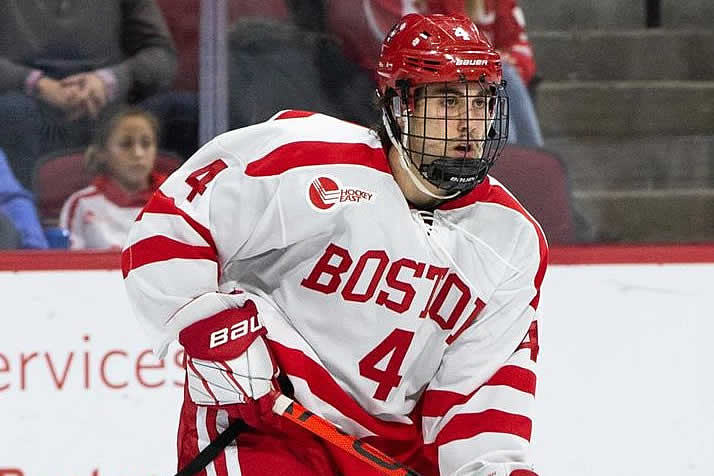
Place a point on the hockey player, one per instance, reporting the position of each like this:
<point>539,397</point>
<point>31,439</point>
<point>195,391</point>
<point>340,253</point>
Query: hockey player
<point>380,278</point>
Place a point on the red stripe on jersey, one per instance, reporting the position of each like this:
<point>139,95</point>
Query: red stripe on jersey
<point>438,402</point>
<point>522,472</point>
<point>468,425</point>
<point>486,192</point>
<point>515,377</point>
<point>498,194</point>
<point>478,194</point>
<point>295,363</point>
<point>161,248</point>
<point>307,153</point>
<point>162,204</point>
<point>294,114</point>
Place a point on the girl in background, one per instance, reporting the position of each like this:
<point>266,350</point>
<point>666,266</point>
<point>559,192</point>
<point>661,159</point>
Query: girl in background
<point>121,158</point>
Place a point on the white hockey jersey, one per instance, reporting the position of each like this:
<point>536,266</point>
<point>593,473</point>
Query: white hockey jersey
<point>408,328</point>
<point>99,216</point>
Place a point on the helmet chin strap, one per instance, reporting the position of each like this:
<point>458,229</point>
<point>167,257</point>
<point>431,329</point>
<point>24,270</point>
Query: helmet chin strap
<point>405,162</point>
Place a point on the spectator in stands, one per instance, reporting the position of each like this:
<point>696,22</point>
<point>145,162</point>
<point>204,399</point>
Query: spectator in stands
<point>178,114</point>
<point>362,26</point>
<point>62,62</point>
<point>122,158</point>
<point>19,225</point>
<point>503,22</point>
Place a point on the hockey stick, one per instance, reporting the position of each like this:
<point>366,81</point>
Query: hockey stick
<point>296,413</point>
<point>293,411</point>
<point>210,452</point>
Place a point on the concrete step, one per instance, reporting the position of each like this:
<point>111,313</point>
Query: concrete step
<point>643,54</point>
<point>649,216</point>
<point>625,108</point>
<point>688,13</point>
<point>579,14</point>
<point>614,14</point>
<point>660,162</point>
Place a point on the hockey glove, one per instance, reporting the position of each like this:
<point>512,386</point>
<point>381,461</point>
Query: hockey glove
<point>228,364</point>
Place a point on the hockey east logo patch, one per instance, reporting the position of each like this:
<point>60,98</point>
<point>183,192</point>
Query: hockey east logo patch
<point>326,192</point>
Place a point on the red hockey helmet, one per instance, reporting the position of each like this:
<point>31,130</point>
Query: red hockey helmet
<point>427,58</point>
<point>435,48</point>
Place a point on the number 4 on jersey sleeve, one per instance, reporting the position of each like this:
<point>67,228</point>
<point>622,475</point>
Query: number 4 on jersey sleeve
<point>201,177</point>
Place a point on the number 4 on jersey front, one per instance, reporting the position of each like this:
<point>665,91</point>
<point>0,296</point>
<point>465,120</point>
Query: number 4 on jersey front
<point>396,343</point>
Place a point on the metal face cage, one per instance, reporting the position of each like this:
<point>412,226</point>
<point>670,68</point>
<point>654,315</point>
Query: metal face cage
<point>452,132</point>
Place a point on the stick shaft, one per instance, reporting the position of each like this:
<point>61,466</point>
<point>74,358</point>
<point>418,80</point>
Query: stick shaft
<point>296,413</point>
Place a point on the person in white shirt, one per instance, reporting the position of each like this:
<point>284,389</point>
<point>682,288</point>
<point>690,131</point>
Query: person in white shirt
<point>121,159</point>
<point>379,277</point>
